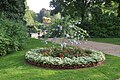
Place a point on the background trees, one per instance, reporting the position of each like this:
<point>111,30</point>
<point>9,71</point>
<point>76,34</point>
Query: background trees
<point>74,8</point>
<point>12,9</point>
<point>29,17</point>
<point>99,17</point>
<point>41,14</point>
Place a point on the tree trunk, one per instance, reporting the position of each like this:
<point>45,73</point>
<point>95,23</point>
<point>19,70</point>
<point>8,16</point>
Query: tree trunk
<point>82,19</point>
<point>83,14</point>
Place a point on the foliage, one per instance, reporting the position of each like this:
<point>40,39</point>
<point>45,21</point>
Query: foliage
<point>41,14</point>
<point>12,37</point>
<point>29,18</point>
<point>57,7</point>
<point>37,55</point>
<point>75,8</point>
<point>99,17</point>
<point>56,17</point>
<point>4,43</point>
<point>12,9</point>
<point>115,1</point>
<point>105,26</point>
<point>47,13</point>
<point>65,28</point>
<point>102,21</point>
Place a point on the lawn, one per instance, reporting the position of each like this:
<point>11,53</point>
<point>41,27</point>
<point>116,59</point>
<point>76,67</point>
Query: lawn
<point>106,40</point>
<point>14,67</point>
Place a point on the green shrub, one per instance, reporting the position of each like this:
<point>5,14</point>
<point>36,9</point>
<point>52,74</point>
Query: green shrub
<point>12,37</point>
<point>4,43</point>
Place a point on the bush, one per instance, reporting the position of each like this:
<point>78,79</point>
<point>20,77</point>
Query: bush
<point>12,36</point>
<point>4,42</point>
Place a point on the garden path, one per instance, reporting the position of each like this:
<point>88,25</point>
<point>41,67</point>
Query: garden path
<point>104,47</point>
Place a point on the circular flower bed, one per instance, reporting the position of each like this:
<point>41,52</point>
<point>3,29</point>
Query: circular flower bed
<point>67,58</point>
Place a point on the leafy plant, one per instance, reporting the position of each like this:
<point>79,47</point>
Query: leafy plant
<point>66,28</point>
<point>4,44</point>
<point>13,10</point>
<point>13,36</point>
<point>33,55</point>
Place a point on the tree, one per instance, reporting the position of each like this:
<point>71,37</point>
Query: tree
<point>29,17</point>
<point>12,9</point>
<point>55,5</point>
<point>41,14</point>
<point>75,8</point>
<point>56,17</point>
<point>118,8</point>
<point>47,13</point>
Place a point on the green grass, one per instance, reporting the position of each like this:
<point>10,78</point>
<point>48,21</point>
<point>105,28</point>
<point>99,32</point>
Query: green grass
<point>14,67</point>
<point>106,40</point>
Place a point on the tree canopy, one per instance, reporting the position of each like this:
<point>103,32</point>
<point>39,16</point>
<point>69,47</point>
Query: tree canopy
<point>98,17</point>
<point>12,9</point>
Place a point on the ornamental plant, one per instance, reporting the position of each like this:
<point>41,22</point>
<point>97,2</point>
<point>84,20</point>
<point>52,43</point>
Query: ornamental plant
<point>66,28</point>
<point>38,56</point>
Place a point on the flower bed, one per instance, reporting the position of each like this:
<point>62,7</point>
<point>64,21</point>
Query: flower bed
<point>67,58</point>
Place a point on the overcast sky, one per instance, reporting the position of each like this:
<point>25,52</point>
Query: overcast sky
<point>37,5</point>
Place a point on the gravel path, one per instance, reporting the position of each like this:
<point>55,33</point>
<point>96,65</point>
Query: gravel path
<point>104,47</point>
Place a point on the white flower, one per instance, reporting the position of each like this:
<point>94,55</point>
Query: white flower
<point>67,35</point>
<point>79,22</point>
<point>71,42</point>
<point>46,42</point>
<point>60,27</point>
<point>61,45</point>
<point>71,26</point>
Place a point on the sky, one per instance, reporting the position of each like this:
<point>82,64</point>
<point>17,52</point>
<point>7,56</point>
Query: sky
<point>37,5</point>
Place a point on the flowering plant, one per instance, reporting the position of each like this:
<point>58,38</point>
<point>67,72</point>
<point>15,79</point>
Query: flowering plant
<point>37,55</point>
<point>66,28</point>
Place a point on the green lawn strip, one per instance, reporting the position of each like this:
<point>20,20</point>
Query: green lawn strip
<point>106,40</point>
<point>111,68</point>
<point>14,67</point>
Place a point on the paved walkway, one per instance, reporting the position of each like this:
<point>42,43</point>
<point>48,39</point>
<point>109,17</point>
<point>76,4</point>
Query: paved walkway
<point>104,47</point>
